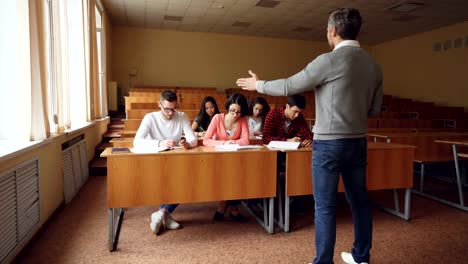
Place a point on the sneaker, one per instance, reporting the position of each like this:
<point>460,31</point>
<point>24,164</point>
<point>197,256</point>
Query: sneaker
<point>348,258</point>
<point>170,223</point>
<point>157,220</point>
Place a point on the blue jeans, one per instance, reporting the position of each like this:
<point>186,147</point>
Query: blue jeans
<point>169,207</point>
<point>331,158</point>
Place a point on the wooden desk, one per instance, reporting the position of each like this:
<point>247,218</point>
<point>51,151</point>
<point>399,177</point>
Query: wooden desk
<point>427,151</point>
<point>389,166</point>
<point>455,144</point>
<point>200,174</point>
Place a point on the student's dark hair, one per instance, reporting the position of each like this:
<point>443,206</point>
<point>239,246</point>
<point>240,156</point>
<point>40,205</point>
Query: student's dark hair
<point>240,100</point>
<point>169,96</point>
<point>347,22</point>
<point>261,101</point>
<point>297,100</point>
<point>202,116</point>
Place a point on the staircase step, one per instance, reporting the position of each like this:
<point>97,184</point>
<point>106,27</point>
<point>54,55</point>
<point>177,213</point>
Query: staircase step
<point>101,147</point>
<point>116,121</point>
<point>98,167</point>
<point>114,114</point>
<point>109,135</point>
<point>116,126</point>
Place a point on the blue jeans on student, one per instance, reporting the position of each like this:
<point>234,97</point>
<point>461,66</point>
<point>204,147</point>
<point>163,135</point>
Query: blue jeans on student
<point>169,207</point>
<point>331,158</point>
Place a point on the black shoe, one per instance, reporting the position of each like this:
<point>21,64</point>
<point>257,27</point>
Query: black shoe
<point>238,218</point>
<point>218,216</point>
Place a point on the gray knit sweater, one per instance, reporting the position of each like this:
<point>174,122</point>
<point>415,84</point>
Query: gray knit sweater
<point>348,89</point>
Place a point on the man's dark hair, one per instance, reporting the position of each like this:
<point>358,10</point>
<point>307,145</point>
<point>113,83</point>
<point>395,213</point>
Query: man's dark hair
<point>297,100</point>
<point>347,22</point>
<point>169,96</point>
<point>241,101</point>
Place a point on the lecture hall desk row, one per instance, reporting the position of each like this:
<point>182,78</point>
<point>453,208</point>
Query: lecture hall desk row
<point>211,175</point>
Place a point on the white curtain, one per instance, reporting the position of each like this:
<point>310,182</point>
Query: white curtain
<point>39,117</point>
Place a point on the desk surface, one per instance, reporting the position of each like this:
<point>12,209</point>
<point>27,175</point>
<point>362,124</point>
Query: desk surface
<point>128,142</point>
<point>415,134</point>
<point>453,142</point>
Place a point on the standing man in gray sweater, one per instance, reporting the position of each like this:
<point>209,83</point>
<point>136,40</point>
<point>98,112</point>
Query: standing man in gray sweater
<point>348,89</point>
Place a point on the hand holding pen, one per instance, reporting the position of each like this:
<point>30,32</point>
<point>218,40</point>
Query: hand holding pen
<point>183,143</point>
<point>202,132</point>
<point>167,143</point>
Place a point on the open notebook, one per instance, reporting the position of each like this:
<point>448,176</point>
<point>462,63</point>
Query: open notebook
<point>283,145</point>
<point>234,147</point>
<point>149,149</point>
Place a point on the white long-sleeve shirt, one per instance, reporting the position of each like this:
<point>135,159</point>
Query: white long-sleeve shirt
<point>155,128</point>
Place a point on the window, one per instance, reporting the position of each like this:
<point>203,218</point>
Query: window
<point>100,38</point>
<point>15,68</point>
<point>51,94</point>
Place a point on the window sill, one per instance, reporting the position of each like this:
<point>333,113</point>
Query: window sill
<point>10,149</point>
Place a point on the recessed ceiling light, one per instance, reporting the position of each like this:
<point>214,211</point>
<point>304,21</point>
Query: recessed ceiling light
<point>405,7</point>
<point>267,3</point>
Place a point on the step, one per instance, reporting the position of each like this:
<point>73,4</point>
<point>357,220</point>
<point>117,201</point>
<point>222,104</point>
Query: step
<point>116,126</point>
<point>98,167</point>
<point>117,121</point>
<point>109,135</point>
<point>114,114</point>
<point>101,147</point>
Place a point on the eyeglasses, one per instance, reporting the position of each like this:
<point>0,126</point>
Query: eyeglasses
<point>234,112</point>
<point>168,110</point>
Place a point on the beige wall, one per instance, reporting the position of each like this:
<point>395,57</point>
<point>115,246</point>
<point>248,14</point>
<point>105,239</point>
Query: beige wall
<point>172,58</point>
<point>413,70</point>
<point>50,165</point>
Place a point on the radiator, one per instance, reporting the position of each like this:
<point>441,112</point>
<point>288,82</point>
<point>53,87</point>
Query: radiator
<point>19,207</point>
<point>74,168</point>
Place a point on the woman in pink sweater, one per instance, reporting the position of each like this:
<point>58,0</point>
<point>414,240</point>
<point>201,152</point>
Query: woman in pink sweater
<point>230,128</point>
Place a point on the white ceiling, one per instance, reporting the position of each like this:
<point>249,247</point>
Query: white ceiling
<point>294,19</point>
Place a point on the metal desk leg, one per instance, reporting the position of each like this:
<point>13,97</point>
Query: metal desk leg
<point>421,182</point>
<point>286,214</point>
<point>457,171</point>
<point>271,222</point>
<point>268,211</point>
<point>396,211</point>
<point>280,205</point>
<point>407,204</point>
<point>114,228</point>
<point>397,202</point>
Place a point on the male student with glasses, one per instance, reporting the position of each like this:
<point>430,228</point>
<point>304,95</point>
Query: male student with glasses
<point>164,129</point>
